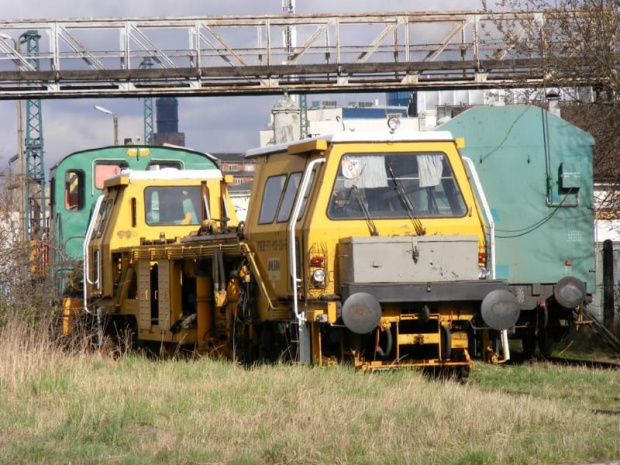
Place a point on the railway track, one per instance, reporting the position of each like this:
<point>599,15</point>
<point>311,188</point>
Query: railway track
<point>518,359</point>
<point>583,363</point>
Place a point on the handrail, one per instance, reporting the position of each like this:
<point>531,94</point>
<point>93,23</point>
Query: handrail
<point>89,233</point>
<point>487,212</point>
<point>291,233</point>
<point>491,222</point>
<point>259,279</point>
<point>304,339</point>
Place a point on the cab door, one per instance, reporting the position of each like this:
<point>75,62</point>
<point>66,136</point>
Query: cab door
<point>275,193</point>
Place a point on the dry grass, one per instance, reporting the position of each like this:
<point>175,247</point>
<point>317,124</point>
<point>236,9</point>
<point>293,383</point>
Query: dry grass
<point>80,407</point>
<point>587,344</point>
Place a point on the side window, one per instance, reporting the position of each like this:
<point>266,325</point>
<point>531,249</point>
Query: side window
<point>305,201</point>
<point>103,217</point>
<point>106,169</point>
<point>152,206</point>
<point>74,190</point>
<point>289,197</point>
<point>134,217</point>
<point>271,198</point>
<point>53,194</point>
<point>206,210</point>
<point>161,164</point>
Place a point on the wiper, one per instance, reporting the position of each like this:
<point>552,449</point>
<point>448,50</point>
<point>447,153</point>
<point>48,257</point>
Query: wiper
<point>404,198</point>
<point>371,224</point>
<point>432,200</point>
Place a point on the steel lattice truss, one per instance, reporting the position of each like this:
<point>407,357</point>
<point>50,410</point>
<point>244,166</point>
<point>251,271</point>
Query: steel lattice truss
<point>247,55</point>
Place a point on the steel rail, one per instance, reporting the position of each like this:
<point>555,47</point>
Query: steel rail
<point>599,365</point>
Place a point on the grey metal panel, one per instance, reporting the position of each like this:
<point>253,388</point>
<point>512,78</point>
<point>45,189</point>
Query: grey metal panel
<point>528,295</point>
<point>408,259</point>
<point>425,292</point>
<point>144,294</point>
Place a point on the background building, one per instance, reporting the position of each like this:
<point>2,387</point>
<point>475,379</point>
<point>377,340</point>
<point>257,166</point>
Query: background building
<point>242,171</point>
<point>168,123</point>
<point>236,165</point>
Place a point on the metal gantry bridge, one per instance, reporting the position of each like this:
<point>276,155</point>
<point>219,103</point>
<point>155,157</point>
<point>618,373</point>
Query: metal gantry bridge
<point>252,55</point>
<point>247,55</point>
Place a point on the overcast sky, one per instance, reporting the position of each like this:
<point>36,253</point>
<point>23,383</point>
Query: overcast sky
<point>211,124</point>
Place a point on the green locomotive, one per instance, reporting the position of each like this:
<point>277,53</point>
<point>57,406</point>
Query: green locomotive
<point>77,181</point>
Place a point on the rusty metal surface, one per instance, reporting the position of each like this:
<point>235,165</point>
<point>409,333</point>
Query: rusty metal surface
<point>246,55</point>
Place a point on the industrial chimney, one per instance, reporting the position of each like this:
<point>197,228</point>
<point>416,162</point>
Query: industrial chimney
<point>168,122</point>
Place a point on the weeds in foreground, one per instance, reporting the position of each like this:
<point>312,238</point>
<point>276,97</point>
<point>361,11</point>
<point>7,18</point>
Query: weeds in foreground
<point>67,403</point>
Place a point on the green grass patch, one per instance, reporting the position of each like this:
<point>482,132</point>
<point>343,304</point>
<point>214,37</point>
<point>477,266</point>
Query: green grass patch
<point>84,408</point>
<point>580,388</point>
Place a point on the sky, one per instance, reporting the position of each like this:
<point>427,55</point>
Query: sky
<point>210,124</point>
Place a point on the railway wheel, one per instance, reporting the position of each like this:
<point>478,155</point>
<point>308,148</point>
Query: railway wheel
<point>446,342</point>
<point>528,342</point>
<point>545,343</point>
<point>266,352</point>
<point>462,373</point>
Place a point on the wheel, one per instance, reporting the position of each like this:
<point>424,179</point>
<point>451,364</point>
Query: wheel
<point>446,342</point>
<point>462,374</point>
<point>388,344</point>
<point>545,344</point>
<point>266,353</point>
<point>528,342</point>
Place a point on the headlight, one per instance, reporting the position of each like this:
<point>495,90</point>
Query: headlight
<point>483,273</point>
<point>318,278</point>
<point>393,123</point>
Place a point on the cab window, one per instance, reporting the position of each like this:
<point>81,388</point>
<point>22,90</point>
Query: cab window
<point>172,205</point>
<point>162,164</point>
<point>106,169</point>
<point>289,197</point>
<point>305,199</point>
<point>74,190</point>
<point>103,217</point>
<point>395,185</point>
<point>271,198</point>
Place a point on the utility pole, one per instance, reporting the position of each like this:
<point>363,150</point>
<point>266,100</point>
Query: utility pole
<point>21,175</point>
<point>114,120</point>
<point>34,179</point>
<point>147,63</point>
<point>290,42</point>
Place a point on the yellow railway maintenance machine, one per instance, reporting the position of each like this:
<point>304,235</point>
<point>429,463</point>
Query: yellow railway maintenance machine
<point>136,211</point>
<point>368,248</point>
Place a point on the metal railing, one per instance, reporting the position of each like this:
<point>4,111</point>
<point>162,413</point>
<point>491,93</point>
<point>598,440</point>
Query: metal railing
<point>248,55</point>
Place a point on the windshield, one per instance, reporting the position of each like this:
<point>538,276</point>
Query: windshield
<point>172,205</point>
<point>395,185</point>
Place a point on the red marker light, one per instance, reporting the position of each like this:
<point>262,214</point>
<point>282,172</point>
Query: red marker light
<point>316,261</point>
